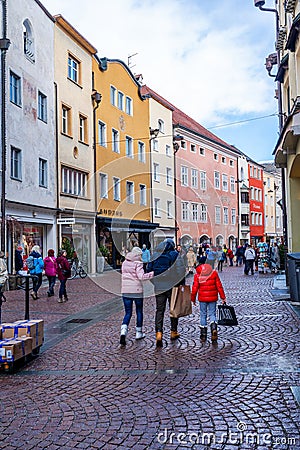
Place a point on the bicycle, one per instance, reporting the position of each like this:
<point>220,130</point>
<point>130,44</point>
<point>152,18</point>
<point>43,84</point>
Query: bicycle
<point>77,269</point>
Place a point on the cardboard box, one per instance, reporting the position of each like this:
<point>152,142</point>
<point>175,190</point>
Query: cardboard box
<point>32,328</point>
<point>11,350</point>
<point>27,343</point>
<point>8,330</point>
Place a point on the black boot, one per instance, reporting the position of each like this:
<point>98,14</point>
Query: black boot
<point>214,332</point>
<point>203,334</point>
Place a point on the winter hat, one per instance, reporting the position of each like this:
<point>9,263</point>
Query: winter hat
<point>136,251</point>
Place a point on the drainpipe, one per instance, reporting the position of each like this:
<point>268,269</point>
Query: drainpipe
<point>4,45</point>
<point>58,170</point>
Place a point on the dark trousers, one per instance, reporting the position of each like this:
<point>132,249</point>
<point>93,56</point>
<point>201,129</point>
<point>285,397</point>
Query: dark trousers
<point>249,266</point>
<point>161,303</point>
<point>62,289</point>
<point>52,281</point>
<point>37,282</point>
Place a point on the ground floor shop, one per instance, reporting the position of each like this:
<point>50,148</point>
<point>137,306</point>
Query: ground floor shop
<point>119,236</point>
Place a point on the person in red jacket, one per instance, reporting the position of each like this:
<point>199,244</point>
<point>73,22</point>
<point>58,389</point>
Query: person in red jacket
<point>208,286</point>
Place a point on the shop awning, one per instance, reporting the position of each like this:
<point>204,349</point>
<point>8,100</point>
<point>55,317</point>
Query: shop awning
<point>127,225</point>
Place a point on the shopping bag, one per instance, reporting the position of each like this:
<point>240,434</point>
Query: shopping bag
<point>227,316</point>
<point>180,303</point>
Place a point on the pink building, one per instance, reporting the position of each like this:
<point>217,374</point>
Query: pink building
<point>206,188</point>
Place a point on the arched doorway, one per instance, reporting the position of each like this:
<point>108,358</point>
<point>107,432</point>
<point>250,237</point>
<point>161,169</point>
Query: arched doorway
<point>219,241</point>
<point>232,243</point>
<point>186,240</point>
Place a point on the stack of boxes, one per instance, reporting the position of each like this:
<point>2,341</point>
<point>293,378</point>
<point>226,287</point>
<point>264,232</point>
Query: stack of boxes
<point>20,338</point>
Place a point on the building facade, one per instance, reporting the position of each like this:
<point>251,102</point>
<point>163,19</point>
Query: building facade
<point>272,202</point>
<point>257,217</point>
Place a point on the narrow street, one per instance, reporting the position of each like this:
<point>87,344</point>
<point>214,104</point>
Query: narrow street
<point>84,391</point>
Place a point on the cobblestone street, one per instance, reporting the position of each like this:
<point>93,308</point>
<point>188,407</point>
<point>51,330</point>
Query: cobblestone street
<point>84,391</point>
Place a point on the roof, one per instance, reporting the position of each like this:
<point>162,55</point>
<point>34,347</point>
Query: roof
<point>68,28</point>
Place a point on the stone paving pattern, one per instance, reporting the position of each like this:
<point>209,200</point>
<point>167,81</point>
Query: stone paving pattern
<point>84,391</point>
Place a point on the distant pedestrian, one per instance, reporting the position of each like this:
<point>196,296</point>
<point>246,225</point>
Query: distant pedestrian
<point>35,265</point>
<point>18,259</point>
<point>212,256</point>
<point>3,272</point>
<point>169,271</point>
<point>239,255</point>
<point>191,260</point>
<point>207,286</point>
<point>63,273</point>
<point>145,256</point>
<point>249,260</point>
<point>221,258</point>
<point>230,256</point>
<point>50,267</point>
<point>274,258</point>
<point>132,292</point>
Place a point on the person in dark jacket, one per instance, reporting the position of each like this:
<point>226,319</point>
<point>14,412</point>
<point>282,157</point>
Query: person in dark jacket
<point>207,285</point>
<point>63,273</point>
<point>169,271</point>
<point>18,259</point>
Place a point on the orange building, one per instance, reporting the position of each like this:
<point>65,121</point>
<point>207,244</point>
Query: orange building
<point>122,162</point>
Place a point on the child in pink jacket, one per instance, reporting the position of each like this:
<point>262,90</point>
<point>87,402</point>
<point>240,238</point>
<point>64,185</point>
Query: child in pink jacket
<point>132,291</point>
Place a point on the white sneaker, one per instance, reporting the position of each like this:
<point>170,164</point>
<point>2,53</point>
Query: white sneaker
<point>139,333</point>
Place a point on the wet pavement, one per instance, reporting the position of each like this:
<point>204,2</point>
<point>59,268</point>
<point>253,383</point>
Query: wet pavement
<point>84,391</point>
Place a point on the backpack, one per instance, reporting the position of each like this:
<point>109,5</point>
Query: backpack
<point>30,262</point>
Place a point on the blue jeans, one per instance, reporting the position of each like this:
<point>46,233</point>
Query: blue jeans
<point>128,304</point>
<point>62,289</point>
<point>52,280</point>
<point>37,282</point>
<point>207,308</point>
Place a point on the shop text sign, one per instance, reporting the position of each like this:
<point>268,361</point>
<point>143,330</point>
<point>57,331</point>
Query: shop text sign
<point>66,221</point>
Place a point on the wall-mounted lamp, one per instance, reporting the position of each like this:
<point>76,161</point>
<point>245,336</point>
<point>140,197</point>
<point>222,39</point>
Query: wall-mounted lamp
<point>96,97</point>
<point>153,133</point>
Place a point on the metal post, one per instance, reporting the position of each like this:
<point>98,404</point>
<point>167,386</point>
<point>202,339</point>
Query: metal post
<point>27,297</point>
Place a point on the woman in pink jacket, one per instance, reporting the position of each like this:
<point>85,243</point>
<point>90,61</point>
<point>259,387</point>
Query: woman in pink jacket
<point>132,291</point>
<point>50,267</point>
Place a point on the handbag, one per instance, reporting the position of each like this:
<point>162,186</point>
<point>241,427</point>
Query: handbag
<point>180,303</point>
<point>227,316</point>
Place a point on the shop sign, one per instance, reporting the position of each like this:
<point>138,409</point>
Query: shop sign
<point>66,221</point>
<point>110,212</point>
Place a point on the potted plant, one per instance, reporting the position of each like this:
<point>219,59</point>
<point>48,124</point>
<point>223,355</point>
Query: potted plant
<point>102,253</point>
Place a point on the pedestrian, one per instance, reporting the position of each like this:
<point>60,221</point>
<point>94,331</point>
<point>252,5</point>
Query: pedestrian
<point>191,260</point>
<point>230,257</point>
<point>63,273</point>
<point>221,258</point>
<point>182,253</point>
<point>35,265</point>
<point>275,257</point>
<point>207,285</point>
<point>145,256</point>
<point>249,260</point>
<point>3,272</point>
<point>239,255</point>
<point>50,267</point>
<point>169,271</point>
<point>18,259</point>
<point>133,276</point>
<point>211,256</point>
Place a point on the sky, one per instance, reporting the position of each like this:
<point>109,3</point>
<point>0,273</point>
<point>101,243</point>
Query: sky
<point>207,57</point>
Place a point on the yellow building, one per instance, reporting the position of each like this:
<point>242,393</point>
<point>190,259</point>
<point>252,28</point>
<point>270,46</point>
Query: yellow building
<point>122,160</point>
<point>74,113</point>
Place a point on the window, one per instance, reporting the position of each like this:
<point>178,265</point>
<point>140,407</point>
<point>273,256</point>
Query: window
<point>201,151</point>
<point>121,100</point>
<point>169,176</point>
<point>168,150</point>
<point>254,172</point>
<point>217,214</point>
<point>244,197</point>
<point>231,163</point>
<point>116,189</point>
<point>15,89</point>
<point>73,182</point>
<point>28,40</point>
<point>102,133</point>
<point>233,216</point>
<point>232,185</point>
<point>225,182</point>
<point>157,207</point>
<point>184,211</point>
<point>252,193</point>
<point>143,198</point>
<point>169,209</point>
<point>115,141</point>
<point>223,160</point>
<point>156,172</point>
<point>245,219</point>
<point>183,144</point>
<point>217,180</point>
<point>129,147</point>
<point>251,171</point>
<point>73,69</point>
<point>128,106</point>
<point>42,107</point>
<point>16,164</point>
<point>225,215</point>
<point>43,173</point>
<point>103,185</point>
<point>195,212</point>
<point>129,191</point>
<point>155,145</point>
<point>66,120</point>
<point>203,213</point>
<point>266,221</point>
<point>184,176</point>
<point>141,152</point>
<point>83,134</point>
<point>216,157</point>
<point>193,148</point>
<point>161,126</point>
<point>194,178</point>
<point>113,91</point>
<point>202,180</point>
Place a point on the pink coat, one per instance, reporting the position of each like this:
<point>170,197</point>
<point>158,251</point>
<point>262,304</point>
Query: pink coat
<point>133,274</point>
<point>50,266</point>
